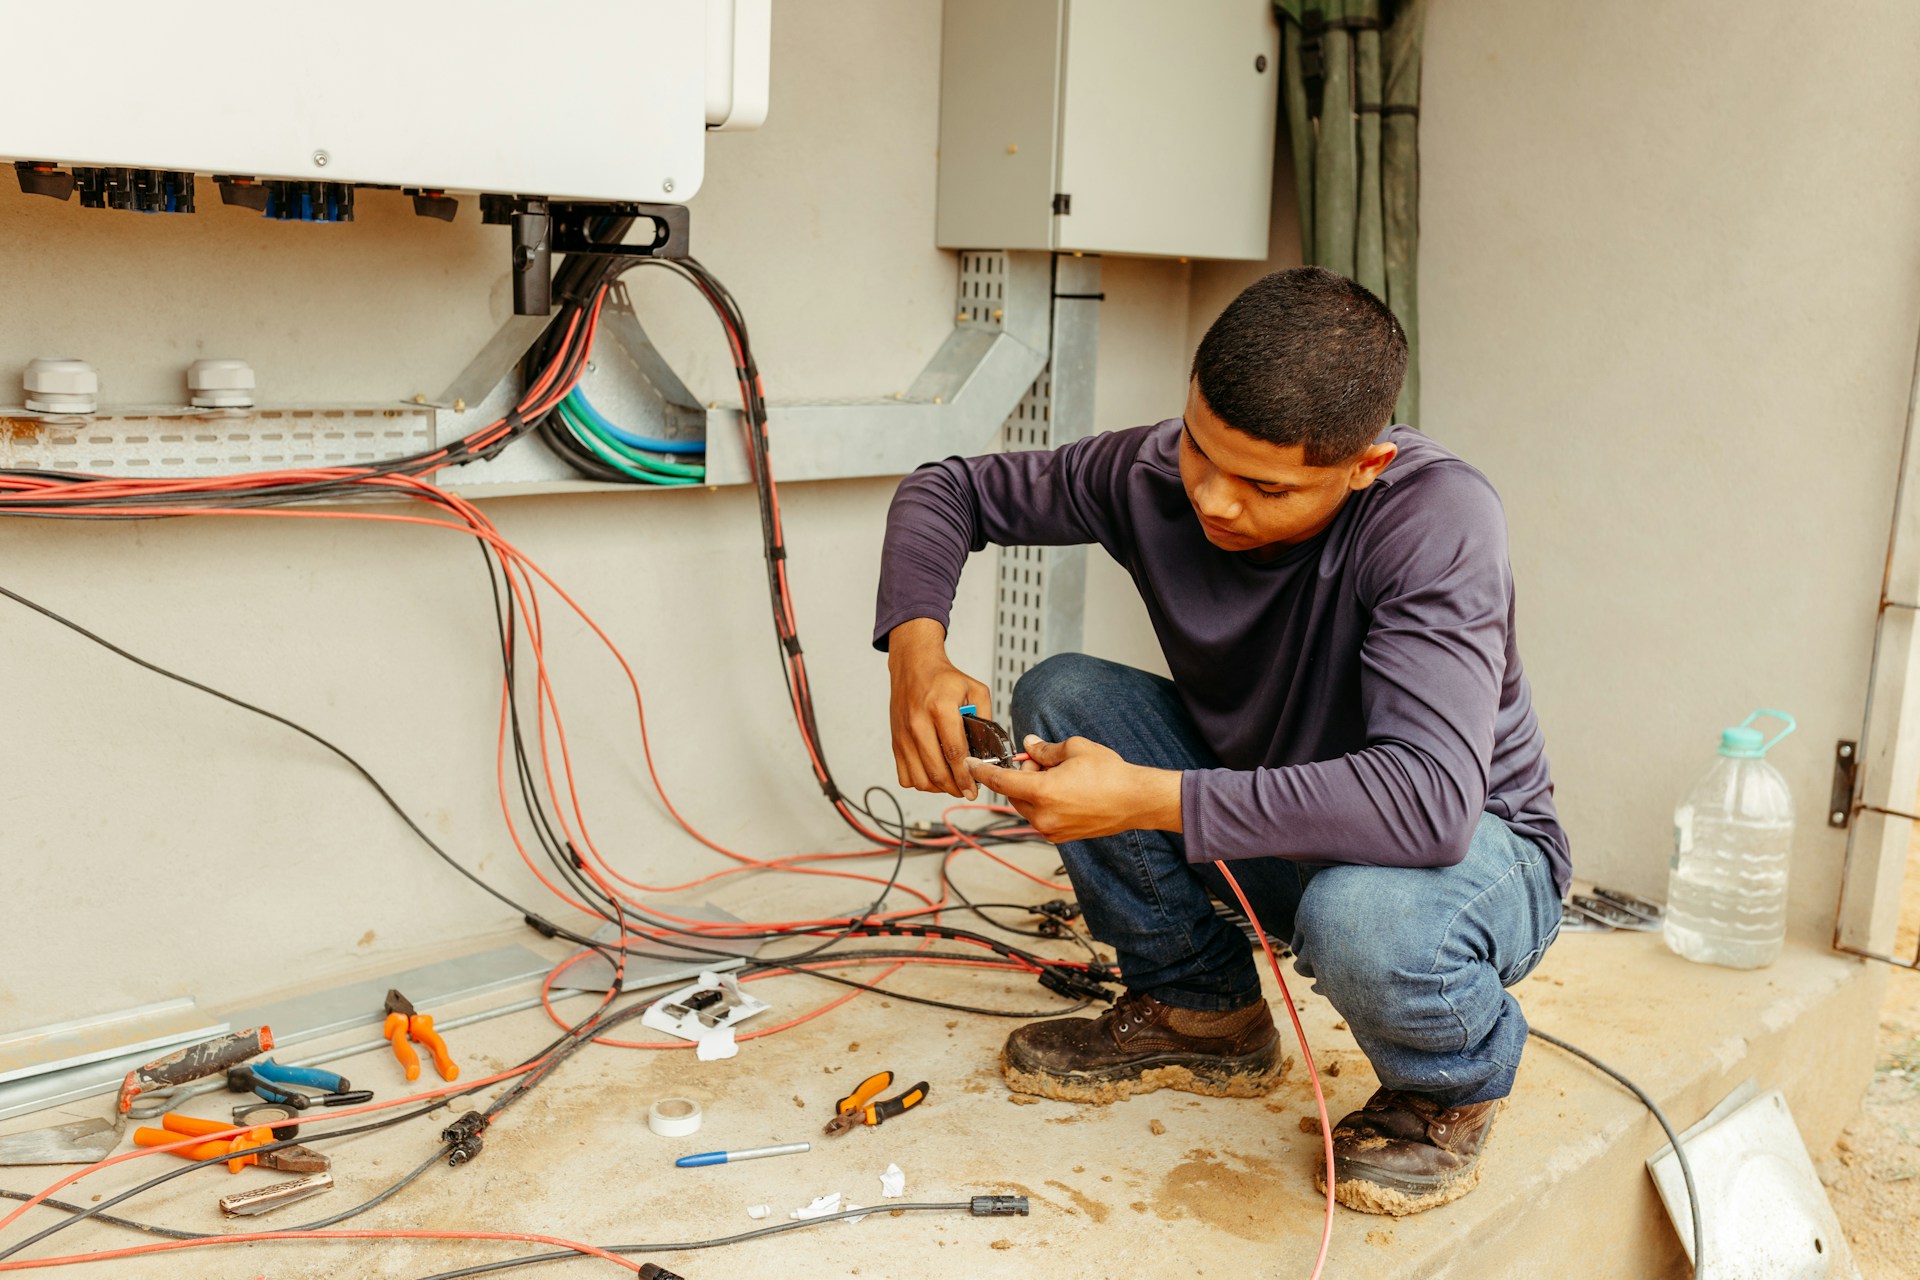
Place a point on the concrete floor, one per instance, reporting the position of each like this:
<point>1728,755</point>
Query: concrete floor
<point>1161,1185</point>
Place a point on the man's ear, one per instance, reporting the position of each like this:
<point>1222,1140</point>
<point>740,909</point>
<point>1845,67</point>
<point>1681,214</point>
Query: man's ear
<point>1372,461</point>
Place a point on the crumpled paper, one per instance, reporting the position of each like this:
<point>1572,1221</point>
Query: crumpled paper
<point>716,1045</point>
<point>893,1182</point>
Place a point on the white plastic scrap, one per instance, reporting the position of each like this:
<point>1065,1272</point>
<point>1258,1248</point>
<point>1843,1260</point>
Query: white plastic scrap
<point>824,1205</point>
<point>893,1182</point>
<point>711,1028</point>
<point>757,1211</point>
<point>820,1208</point>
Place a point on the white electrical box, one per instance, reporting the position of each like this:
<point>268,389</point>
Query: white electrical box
<point>570,100</point>
<point>1108,126</point>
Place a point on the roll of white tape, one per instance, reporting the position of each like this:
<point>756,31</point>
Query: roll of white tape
<point>674,1117</point>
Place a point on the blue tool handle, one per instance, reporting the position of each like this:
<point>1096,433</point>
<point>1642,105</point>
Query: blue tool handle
<point>331,1081</point>
<point>705,1157</point>
<point>273,1093</point>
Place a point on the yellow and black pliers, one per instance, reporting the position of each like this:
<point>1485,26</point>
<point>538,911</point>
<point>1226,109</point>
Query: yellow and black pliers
<point>860,1107</point>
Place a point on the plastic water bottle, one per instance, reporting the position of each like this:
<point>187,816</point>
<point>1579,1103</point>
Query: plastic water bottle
<point>1732,837</point>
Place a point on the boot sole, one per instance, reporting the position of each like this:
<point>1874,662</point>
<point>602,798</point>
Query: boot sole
<point>1252,1075</point>
<point>1367,1196</point>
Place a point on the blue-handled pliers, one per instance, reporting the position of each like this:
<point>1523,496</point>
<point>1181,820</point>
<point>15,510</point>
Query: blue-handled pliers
<point>312,1077</point>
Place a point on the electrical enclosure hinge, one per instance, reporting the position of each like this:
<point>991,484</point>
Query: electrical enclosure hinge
<point>1846,763</point>
<point>1062,203</point>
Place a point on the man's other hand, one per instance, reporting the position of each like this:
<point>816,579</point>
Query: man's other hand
<point>1080,790</point>
<point>929,740</point>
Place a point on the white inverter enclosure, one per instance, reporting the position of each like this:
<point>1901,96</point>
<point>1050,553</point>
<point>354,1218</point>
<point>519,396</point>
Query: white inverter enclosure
<point>573,99</point>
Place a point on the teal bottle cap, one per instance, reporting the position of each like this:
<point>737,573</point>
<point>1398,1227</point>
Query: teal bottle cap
<point>1743,742</point>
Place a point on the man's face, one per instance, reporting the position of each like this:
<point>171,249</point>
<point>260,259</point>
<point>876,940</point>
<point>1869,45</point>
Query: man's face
<point>1249,494</point>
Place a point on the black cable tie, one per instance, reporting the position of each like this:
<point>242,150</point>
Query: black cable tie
<point>544,928</point>
<point>791,644</point>
<point>778,551</point>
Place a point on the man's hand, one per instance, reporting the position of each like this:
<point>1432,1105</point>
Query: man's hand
<point>929,740</point>
<point>1079,790</point>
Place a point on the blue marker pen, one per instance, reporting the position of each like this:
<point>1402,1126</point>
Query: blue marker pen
<point>751,1153</point>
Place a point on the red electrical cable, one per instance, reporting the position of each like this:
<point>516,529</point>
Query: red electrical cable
<point>256,1237</point>
<point>1313,1072</point>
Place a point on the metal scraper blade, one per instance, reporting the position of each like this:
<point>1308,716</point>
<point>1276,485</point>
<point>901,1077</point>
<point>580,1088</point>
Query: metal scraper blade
<point>82,1142</point>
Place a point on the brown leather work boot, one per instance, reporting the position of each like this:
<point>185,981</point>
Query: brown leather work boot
<point>1403,1152</point>
<point>1140,1045</point>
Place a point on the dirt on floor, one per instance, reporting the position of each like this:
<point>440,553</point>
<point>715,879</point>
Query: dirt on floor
<point>1873,1173</point>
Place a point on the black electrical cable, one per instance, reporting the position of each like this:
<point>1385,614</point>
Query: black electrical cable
<point>926,1000</point>
<point>855,925</point>
<point>109,1219</point>
<point>174,1233</point>
<point>507,1264</point>
<point>947,883</point>
<point>1679,1152</point>
<point>365,774</point>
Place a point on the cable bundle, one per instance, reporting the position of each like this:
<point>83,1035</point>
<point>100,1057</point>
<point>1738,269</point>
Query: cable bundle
<point>639,458</point>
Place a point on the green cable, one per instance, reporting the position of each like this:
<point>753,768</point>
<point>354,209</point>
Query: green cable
<point>637,468</point>
<point>583,425</point>
<point>622,465</point>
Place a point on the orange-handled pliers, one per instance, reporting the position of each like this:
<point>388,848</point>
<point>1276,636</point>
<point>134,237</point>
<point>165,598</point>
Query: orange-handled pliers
<point>860,1107</point>
<point>237,1150</point>
<point>403,1024</point>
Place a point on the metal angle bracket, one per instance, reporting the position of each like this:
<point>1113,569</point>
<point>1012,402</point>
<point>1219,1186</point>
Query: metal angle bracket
<point>1846,764</point>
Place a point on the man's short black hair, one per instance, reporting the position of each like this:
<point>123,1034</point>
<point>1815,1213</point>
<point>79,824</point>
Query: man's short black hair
<point>1304,357</point>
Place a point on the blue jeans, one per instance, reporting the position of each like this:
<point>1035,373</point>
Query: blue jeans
<point>1417,960</point>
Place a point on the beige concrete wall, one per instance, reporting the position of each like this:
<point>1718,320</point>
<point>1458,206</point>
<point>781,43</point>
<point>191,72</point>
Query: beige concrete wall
<point>159,843</point>
<point>1669,304</point>
<point>1671,282</point>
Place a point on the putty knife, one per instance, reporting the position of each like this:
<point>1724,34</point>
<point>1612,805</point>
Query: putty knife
<point>82,1142</point>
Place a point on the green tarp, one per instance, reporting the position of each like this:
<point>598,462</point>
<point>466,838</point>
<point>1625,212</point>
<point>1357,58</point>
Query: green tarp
<point>1351,91</point>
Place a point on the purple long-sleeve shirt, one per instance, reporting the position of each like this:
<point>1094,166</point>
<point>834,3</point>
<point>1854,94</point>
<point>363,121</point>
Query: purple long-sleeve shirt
<point>1363,691</point>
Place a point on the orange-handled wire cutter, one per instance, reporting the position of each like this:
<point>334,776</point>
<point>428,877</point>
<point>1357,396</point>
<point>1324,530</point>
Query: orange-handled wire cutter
<point>403,1024</point>
<point>237,1150</point>
<point>860,1107</point>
